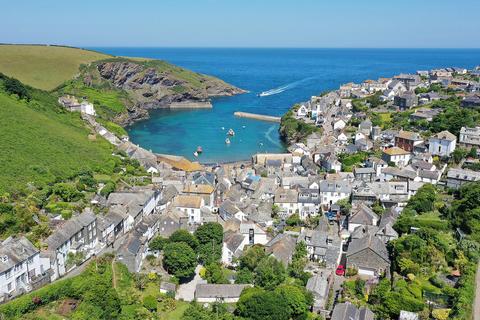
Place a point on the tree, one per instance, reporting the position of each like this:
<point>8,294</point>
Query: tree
<point>424,200</point>
<point>244,276</point>
<point>256,304</point>
<point>13,86</point>
<point>458,154</point>
<point>299,261</point>
<point>293,220</point>
<point>269,273</point>
<point>102,295</point>
<point>297,299</point>
<point>157,243</point>
<point>108,188</point>
<point>209,252</point>
<point>66,191</point>
<point>215,274</point>
<point>208,232</point>
<point>179,259</point>
<point>252,257</point>
<point>345,206</point>
<point>184,236</point>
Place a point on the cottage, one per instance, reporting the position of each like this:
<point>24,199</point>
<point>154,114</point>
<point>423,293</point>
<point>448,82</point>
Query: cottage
<point>339,124</point>
<point>442,144</point>
<point>471,101</point>
<point>318,286</point>
<point>233,244</point>
<point>137,204</point>
<point>225,293</point>
<point>407,140</point>
<point>333,191</point>
<point>302,111</point>
<point>397,156</point>
<point>253,234</point>
<point>287,201</point>
<point>77,235</point>
<point>369,256</point>
<point>362,216</point>
<point>458,177</point>
<point>405,100</point>
<point>347,311</point>
<point>470,137</point>
<point>364,174</point>
<point>191,206</point>
<point>281,248</point>
<point>308,202</point>
<point>21,267</point>
<point>171,221</point>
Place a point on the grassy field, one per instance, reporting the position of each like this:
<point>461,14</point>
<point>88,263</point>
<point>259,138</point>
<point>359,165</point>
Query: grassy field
<point>44,67</point>
<point>40,142</point>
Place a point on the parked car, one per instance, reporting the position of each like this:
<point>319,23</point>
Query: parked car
<point>340,270</point>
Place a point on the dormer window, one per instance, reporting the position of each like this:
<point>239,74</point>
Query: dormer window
<point>4,258</point>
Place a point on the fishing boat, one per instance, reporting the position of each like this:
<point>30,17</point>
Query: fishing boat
<point>231,132</point>
<point>223,128</point>
<point>227,141</point>
<point>243,127</point>
<point>195,154</point>
<point>199,149</point>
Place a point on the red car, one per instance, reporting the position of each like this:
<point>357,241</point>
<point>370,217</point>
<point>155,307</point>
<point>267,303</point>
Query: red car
<point>340,270</point>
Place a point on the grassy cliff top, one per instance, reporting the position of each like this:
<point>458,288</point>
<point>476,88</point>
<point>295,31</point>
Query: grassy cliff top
<point>44,67</point>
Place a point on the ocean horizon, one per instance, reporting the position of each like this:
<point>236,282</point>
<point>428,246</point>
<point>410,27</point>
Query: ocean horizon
<point>287,75</point>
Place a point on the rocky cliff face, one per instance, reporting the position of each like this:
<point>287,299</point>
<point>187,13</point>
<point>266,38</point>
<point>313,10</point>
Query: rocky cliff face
<point>155,84</point>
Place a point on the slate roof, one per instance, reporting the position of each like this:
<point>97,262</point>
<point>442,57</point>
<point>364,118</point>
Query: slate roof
<point>224,291</point>
<point>15,250</point>
<point>368,242</point>
<point>282,247</point>
<point>67,230</point>
<point>233,240</point>
<point>445,135</point>
<point>347,311</point>
<point>363,215</point>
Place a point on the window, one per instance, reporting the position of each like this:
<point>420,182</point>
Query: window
<point>9,287</point>
<point>8,274</point>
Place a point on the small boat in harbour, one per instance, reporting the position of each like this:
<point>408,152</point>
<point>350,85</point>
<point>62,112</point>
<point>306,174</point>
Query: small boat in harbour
<point>223,128</point>
<point>195,154</point>
<point>231,132</point>
<point>227,141</point>
<point>199,149</point>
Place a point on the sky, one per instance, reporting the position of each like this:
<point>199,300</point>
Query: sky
<point>243,23</point>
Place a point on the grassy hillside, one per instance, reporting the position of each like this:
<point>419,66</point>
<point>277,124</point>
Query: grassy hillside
<point>44,67</point>
<point>41,142</point>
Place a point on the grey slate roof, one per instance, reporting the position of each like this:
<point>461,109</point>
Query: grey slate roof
<point>219,290</point>
<point>69,229</point>
<point>368,242</point>
<point>15,250</point>
<point>347,311</point>
<point>363,215</point>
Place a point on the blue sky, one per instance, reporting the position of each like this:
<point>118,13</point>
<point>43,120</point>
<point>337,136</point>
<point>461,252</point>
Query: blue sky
<point>243,23</point>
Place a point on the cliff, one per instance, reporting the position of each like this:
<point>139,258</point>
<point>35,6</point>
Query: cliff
<point>292,130</point>
<point>142,85</point>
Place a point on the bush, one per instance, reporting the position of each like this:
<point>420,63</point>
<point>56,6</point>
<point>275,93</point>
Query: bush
<point>150,303</point>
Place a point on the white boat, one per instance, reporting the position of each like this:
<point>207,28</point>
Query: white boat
<point>223,128</point>
<point>243,127</point>
<point>195,154</point>
<point>227,141</point>
<point>231,132</point>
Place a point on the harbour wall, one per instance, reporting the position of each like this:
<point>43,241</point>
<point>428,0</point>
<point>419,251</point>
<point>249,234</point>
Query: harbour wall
<point>257,116</point>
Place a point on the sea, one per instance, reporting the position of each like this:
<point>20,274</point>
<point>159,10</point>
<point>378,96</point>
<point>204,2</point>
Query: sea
<point>285,76</point>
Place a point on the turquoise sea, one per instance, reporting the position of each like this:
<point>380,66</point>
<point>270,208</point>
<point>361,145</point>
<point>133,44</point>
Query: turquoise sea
<point>290,76</point>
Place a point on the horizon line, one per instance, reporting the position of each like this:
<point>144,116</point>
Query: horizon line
<point>236,47</point>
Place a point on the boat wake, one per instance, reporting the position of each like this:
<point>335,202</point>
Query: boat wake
<point>281,89</point>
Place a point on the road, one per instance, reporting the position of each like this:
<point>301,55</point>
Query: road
<point>476,303</point>
<point>186,291</point>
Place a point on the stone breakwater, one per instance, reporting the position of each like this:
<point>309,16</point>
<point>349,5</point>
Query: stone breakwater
<point>257,116</point>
